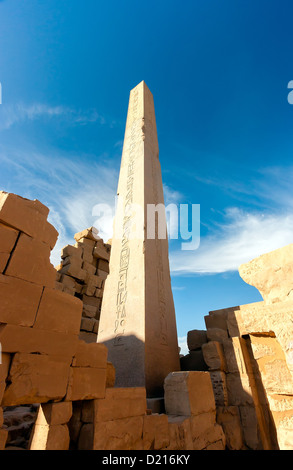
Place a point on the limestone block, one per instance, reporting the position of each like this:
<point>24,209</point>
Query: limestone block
<point>19,301</point>
<point>120,434</point>
<point>100,251</point>
<point>271,274</point>
<point>196,338</point>
<point>103,265</point>
<point>32,340</point>
<point>214,356</point>
<point>4,370</point>
<point>59,312</point>
<point>90,233</point>
<point>120,403</point>
<point>45,437</point>
<point>86,437</point>
<point>86,383</point>
<point>228,417</point>
<point>3,438</point>
<point>155,432</point>
<point>35,378</point>
<point>179,433</point>
<point>218,379</point>
<point>27,216</point>
<point>30,261</point>
<point>8,237</point>
<point>188,393</point>
<point>217,334</point>
<point>110,380</point>
<point>193,361</point>
<point>54,413</point>
<point>90,355</point>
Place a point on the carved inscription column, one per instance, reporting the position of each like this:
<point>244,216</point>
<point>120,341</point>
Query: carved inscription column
<point>137,321</point>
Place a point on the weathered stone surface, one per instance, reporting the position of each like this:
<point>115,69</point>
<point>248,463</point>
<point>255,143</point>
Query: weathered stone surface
<point>218,379</point>
<point>250,427</point>
<point>90,233</point>
<point>3,438</point>
<point>32,340</point>
<point>137,320</point>
<point>214,356</point>
<point>206,433</point>
<point>100,251</point>
<point>86,437</point>
<point>120,434</point>
<point>27,216</point>
<point>193,361</point>
<point>71,251</point>
<point>196,338</point>
<point>86,383</point>
<point>111,375</point>
<point>155,432</point>
<point>4,257</point>
<point>8,237</point>
<point>4,369</point>
<point>35,378</point>
<point>120,403</point>
<point>54,413</point>
<point>216,319</point>
<point>188,393</point>
<point>19,301</point>
<point>217,334</point>
<point>239,390</point>
<point>271,274</point>
<point>228,417</point>
<point>46,437</point>
<point>59,312</point>
<point>180,433</point>
<point>90,355</point>
<point>30,261</point>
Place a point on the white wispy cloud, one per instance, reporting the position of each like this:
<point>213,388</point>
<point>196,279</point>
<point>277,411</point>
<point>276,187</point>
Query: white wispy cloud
<point>241,237</point>
<point>11,114</point>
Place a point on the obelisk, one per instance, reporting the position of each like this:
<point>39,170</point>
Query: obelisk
<point>137,321</point>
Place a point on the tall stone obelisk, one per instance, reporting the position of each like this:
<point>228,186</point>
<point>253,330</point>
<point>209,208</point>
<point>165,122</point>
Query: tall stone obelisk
<point>137,321</point>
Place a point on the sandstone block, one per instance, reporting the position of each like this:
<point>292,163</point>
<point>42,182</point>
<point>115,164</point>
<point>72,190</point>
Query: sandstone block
<point>59,312</point>
<point>120,403</point>
<point>75,422</point>
<point>218,379</point>
<point>32,340</point>
<point>71,251</point>
<point>46,437</point>
<point>4,257</point>
<point>193,361</point>
<point>228,417</point>
<point>35,378</point>
<point>195,339</point>
<point>89,268</point>
<point>19,301</point>
<point>103,265</point>
<point>239,390</point>
<point>250,427</point>
<point>155,432</point>
<point>30,262</point>
<point>89,311</point>
<point>8,237</point>
<point>214,356</point>
<point>271,274</point>
<point>90,355</point>
<point>120,434</point>
<point>90,233</point>
<point>179,433</point>
<point>188,393</point>
<point>4,370</point>
<point>101,252</point>
<point>27,216</point>
<point>217,334</point>
<point>87,324</point>
<point>102,274</point>
<point>86,437</point>
<point>73,269</point>
<point>86,383</point>
<point>110,380</point>
<point>54,413</point>
<point>3,438</point>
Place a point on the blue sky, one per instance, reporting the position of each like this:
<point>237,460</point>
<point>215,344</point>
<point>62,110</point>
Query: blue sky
<point>219,73</point>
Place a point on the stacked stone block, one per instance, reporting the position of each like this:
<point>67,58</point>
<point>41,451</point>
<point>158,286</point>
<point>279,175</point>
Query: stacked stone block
<point>82,273</point>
